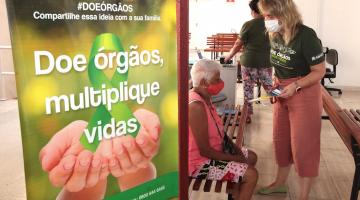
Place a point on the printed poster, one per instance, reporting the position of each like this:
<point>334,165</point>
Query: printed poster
<point>97,91</point>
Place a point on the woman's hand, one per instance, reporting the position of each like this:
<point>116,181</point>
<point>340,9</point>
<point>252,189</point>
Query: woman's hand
<point>127,154</point>
<point>242,158</point>
<point>65,142</point>
<point>148,138</point>
<point>68,163</point>
<point>227,58</point>
<point>288,91</point>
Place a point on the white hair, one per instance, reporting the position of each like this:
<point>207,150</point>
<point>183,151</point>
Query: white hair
<point>204,69</point>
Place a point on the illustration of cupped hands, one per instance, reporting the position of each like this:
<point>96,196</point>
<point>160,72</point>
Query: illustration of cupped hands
<point>71,166</point>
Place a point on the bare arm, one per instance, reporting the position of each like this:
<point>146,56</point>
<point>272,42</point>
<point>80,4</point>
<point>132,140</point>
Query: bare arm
<point>316,74</point>
<point>236,48</point>
<point>199,126</point>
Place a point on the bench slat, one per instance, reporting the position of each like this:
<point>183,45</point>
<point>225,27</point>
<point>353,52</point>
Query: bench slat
<point>217,49</point>
<point>352,117</point>
<point>351,123</point>
<point>207,186</point>
<point>218,186</point>
<point>355,114</point>
<point>228,119</point>
<point>229,186</point>
<point>234,122</point>
<point>197,184</point>
<point>224,114</point>
<point>240,135</point>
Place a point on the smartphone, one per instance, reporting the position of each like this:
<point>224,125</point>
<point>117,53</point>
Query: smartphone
<point>275,92</point>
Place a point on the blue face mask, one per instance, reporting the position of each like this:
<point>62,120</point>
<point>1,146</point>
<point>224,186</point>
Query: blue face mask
<point>272,25</point>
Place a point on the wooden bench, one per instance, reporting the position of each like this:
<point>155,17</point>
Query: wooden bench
<point>347,124</point>
<point>235,118</point>
<point>333,111</point>
<point>352,119</point>
<point>220,43</point>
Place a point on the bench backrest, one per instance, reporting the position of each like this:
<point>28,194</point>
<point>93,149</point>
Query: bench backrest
<point>221,42</point>
<point>352,120</point>
<point>334,112</point>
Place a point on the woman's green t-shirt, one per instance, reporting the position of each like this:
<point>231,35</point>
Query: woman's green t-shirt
<point>295,59</point>
<point>256,44</point>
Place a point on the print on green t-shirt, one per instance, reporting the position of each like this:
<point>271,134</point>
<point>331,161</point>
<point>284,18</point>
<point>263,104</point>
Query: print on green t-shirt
<point>296,58</point>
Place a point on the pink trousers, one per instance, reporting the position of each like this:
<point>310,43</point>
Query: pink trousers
<point>296,129</point>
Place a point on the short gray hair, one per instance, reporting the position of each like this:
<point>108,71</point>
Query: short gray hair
<point>204,69</point>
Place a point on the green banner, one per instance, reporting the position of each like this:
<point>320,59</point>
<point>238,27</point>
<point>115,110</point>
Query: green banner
<point>97,92</point>
<point>163,187</point>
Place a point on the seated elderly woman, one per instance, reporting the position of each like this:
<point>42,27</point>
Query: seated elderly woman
<point>206,158</point>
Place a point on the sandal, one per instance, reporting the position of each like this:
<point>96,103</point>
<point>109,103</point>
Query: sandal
<point>267,190</point>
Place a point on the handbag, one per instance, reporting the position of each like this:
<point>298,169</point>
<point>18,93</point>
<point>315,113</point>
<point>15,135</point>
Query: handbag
<point>227,145</point>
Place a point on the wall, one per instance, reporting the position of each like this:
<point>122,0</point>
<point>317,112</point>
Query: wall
<point>310,12</point>
<point>208,17</point>
<point>334,21</point>
<point>7,78</point>
<point>340,29</point>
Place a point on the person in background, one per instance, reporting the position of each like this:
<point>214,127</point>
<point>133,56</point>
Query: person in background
<point>254,60</point>
<point>206,132</point>
<point>296,54</point>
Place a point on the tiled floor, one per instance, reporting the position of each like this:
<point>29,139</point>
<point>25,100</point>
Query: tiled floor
<point>12,179</point>
<point>336,163</point>
<point>336,167</point>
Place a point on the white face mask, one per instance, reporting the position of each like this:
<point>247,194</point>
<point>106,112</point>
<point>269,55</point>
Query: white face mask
<point>272,25</point>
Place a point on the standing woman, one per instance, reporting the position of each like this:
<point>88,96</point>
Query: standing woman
<point>296,54</point>
<point>255,62</point>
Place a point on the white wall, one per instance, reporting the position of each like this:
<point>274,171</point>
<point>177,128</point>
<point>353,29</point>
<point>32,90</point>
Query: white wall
<point>340,29</point>
<point>208,17</point>
<point>310,12</point>
<point>337,26</point>
<point>336,23</point>
<point>7,78</point>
